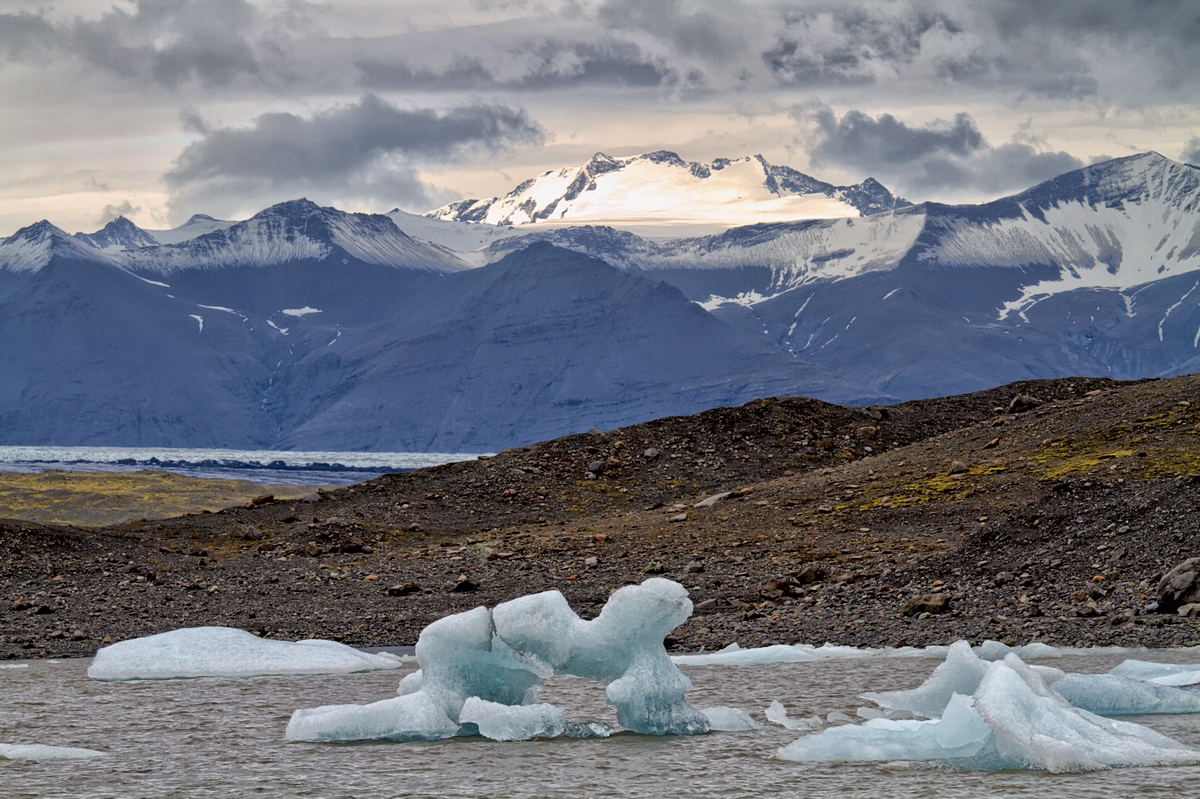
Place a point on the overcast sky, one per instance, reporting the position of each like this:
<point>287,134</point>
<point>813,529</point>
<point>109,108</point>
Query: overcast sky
<point>159,109</point>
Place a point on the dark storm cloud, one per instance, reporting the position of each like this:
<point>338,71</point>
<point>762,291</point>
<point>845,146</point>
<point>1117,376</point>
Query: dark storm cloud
<point>550,64</point>
<point>921,159</point>
<point>168,42</point>
<point>362,151</point>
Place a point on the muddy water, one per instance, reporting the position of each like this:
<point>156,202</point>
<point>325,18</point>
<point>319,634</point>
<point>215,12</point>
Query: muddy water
<point>224,738</point>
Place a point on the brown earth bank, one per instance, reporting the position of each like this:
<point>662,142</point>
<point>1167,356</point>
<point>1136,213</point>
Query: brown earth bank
<point>1042,510</point>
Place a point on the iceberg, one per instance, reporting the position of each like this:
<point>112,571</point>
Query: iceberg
<point>481,671</point>
<point>43,752</point>
<point>734,655</point>
<point>1176,674</point>
<point>1103,694</point>
<point>227,652</point>
<point>1115,695</point>
<point>1012,719</point>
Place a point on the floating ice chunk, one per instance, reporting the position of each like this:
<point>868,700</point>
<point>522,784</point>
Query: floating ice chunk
<point>43,752</point>
<point>14,665</point>
<point>996,650</point>
<point>481,672</point>
<point>729,719</point>
<point>513,722</point>
<point>1177,674</point>
<point>734,655</point>
<point>1012,720</point>
<point>226,652</point>
<point>413,717</point>
<point>623,647</point>
<point>959,734</point>
<point>777,714</point>
<point>960,673</point>
<point>1114,695</point>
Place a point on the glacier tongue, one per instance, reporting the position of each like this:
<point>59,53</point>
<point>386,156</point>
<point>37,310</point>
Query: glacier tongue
<point>481,672</point>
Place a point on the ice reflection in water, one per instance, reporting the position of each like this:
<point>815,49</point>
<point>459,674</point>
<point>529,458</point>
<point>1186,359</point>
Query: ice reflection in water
<point>216,737</point>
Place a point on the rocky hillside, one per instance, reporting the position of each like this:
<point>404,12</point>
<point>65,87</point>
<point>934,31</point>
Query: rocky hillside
<point>1037,511</point>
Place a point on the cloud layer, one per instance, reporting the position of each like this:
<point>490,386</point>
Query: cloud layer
<point>365,151</point>
<point>707,77</point>
<point>928,159</point>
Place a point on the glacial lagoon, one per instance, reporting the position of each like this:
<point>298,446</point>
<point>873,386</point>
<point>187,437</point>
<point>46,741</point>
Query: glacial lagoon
<point>225,737</point>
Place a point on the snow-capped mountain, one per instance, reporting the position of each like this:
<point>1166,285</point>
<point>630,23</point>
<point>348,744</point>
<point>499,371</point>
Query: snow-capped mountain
<point>298,230</point>
<point>659,192</point>
<point>119,234</point>
<point>311,328</point>
<point>198,225</point>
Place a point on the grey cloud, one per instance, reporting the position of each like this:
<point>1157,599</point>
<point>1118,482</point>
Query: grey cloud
<point>112,211</point>
<point>1191,152</point>
<point>942,157</point>
<point>168,42</point>
<point>550,64</point>
<point>361,153</point>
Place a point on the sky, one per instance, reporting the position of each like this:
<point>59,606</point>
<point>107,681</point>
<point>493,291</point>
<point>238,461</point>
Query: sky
<point>159,109</point>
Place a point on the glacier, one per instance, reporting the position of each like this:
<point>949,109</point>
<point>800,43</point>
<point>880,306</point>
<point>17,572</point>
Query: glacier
<point>226,652</point>
<point>481,672</point>
<point>1003,714</point>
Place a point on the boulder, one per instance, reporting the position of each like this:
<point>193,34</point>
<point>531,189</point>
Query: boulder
<point>1180,586</point>
<point>1022,403</point>
<point>927,603</point>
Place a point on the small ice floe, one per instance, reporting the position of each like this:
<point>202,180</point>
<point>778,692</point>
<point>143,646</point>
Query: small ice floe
<point>14,665</point>
<point>777,714</point>
<point>1175,674</point>
<point>990,716</point>
<point>227,652</point>
<point>729,719</point>
<point>734,655</point>
<point>481,672</point>
<point>43,752</point>
<point>305,311</point>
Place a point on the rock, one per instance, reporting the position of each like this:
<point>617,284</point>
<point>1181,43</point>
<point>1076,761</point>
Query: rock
<point>958,467</point>
<point>809,574</point>
<point>310,497</point>
<point>679,517</point>
<point>708,502</point>
<point>372,578</point>
<point>251,533</point>
<point>655,567</point>
<point>651,453</point>
<point>21,604</point>
<point>1095,592</point>
<point>43,610</point>
<point>866,432</point>
<point>705,605</point>
<point>351,546</point>
<point>312,550</point>
<point>262,499</point>
<point>404,590</point>
<point>773,589</point>
<point>591,562</point>
<point>1002,578</point>
<point>693,567</point>
<point>463,586</point>
<point>78,635</point>
<point>1180,586</point>
<point>596,467</point>
<point>1022,403</point>
<point>926,603</point>
<point>1190,610</point>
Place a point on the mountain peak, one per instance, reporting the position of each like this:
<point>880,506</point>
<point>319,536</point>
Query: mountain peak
<point>660,193</point>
